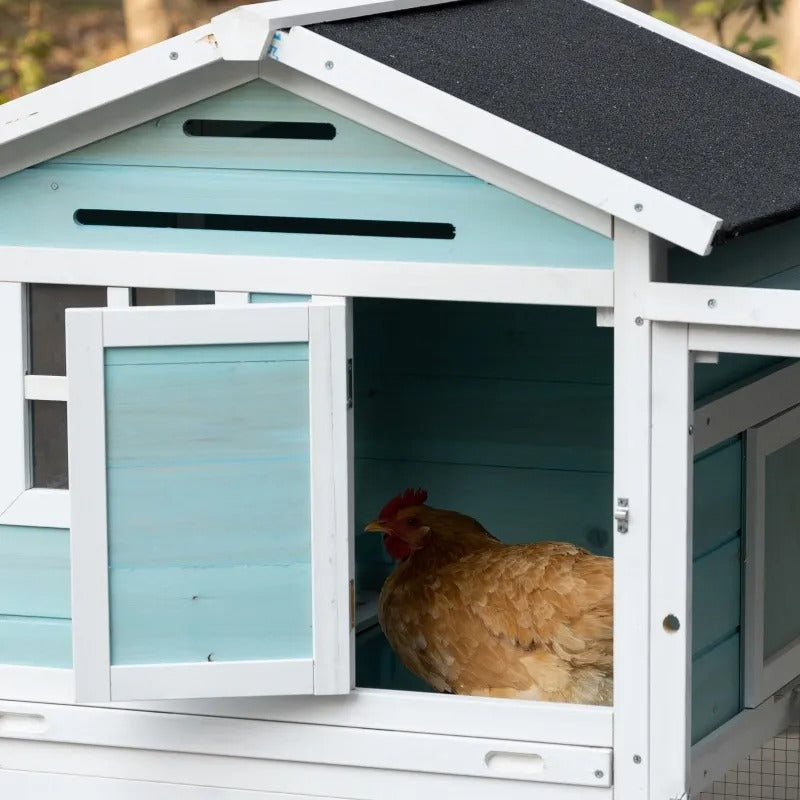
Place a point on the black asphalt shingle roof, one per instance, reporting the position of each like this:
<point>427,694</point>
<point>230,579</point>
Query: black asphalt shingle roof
<point>624,96</point>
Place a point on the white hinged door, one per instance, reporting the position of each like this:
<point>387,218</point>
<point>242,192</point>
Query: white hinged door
<point>210,471</point>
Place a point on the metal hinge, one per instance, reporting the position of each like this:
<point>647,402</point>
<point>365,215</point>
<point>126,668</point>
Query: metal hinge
<point>352,603</point>
<point>349,382</point>
<point>621,514</point>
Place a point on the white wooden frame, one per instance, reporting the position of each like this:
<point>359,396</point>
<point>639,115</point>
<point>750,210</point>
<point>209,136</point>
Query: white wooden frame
<point>308,276</point>
<point>498,767</point>
<point>637,259</point>
<point>715,422</point>
<point>671,562</point>
<point>321,323</point>
<point>763,677</point>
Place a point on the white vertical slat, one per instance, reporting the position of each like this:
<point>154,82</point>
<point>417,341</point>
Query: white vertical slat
<point>88,540</point>
<point>13,451</point>
<point>670,563</point>
<point>331,500</point>
<point>118,296</point>
<point>634,257</point>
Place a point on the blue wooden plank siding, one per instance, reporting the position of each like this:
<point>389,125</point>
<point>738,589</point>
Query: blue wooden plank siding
<point>491,226</point>
<point>162,142</point>
<point>359,174</point>
<point>216,563</point>
<point>34,597</point>
<point>767,258</point>
<point>36,641</point>
<point>717,587</point>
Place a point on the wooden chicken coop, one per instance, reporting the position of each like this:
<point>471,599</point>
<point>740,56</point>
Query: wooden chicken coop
<point>537,258</point>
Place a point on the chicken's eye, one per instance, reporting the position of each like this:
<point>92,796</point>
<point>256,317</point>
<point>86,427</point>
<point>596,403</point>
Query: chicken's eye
<point>412,522</point>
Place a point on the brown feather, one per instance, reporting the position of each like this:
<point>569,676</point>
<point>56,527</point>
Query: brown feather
<point>471,615</point>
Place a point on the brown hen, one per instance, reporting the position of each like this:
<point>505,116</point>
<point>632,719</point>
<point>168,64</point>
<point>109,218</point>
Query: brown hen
<point>471,615</point>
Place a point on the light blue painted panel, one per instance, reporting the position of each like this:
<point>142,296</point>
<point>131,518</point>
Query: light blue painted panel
<point>492,226</point>
<point>262,297</point>
<point>717,496</point>
<point>34,572</point>
<point>782,549</point>
<point>35,642</point>
<point>162,141</point>
<point>464,420</point>
<point>229,613</point>
<point>715,688</point>
<point>196,354</point>
<point>716,600</point>
<point>250,512</point>
<point>232,411</point>
<point>209,496</point>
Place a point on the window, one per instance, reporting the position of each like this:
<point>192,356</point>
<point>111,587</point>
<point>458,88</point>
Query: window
<point>47,359</point>
<point>34,469</point>
<point>772,631</point>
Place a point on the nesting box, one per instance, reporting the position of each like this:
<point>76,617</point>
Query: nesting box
<point>539,259</point>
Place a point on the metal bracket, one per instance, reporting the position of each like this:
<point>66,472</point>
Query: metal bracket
<point>349,382</point>
<point>621,514</point>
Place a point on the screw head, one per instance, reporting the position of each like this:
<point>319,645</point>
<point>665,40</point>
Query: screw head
<point>691,430</point>
<point>637,759</point>
<point>329,65</point>
<point>54,186</point>
<point>639,321</point>
<point>173,56</point>
<point>712,303</point>
<point>598,773</point>
<point>638,207</point>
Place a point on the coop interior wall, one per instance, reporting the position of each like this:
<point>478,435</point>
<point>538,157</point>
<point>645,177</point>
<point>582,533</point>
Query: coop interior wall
<point>768,258</point>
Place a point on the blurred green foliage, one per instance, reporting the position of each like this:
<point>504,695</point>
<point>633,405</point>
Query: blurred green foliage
<point>731,21</point>
<point>25,47</point>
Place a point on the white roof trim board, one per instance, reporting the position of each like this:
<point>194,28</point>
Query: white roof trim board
<point>226,53</point>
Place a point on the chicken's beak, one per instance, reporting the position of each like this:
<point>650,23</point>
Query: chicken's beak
<point>377,526</point>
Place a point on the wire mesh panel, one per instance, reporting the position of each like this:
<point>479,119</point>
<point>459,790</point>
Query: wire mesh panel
<point>769,772</point>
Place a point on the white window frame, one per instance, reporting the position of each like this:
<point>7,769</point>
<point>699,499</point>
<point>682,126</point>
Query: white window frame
<point>763,677</point>
<point>21,504</point>
<point>324,324</point>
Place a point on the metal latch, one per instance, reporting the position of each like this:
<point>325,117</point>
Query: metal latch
<point>621,514</point>
<point>349,382</point>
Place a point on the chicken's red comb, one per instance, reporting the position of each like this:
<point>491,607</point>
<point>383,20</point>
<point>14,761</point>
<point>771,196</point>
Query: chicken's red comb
<point>410,497</point>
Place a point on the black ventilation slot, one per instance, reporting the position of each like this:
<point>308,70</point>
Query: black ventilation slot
<point>247,222</point>
<point>258,129</point>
